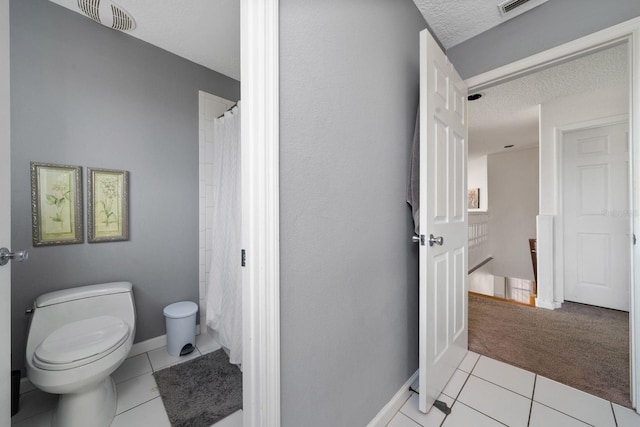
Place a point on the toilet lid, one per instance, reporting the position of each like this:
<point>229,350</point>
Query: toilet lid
<point>80,342</point>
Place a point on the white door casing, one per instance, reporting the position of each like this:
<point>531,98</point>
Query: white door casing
<point>628,31</point>
<point>595,216</point>
<point>259,51</point>
<point>443,213</point>
<point>5,217</point>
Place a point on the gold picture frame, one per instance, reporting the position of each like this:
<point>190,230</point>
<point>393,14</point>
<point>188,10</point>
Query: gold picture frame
<point>56,204</point>
<point>473,198</point>
<point>107,205</point>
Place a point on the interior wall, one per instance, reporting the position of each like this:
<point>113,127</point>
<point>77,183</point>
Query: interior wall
<point>83,94</point>
<point>477,178</point>
<point>549,25</point>
<point>513,186</point>
<point>601,103</point>
<point>349,81</point>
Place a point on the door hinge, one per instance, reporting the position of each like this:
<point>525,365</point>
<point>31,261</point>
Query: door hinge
<point>634,238</point>
<point>243,259</point>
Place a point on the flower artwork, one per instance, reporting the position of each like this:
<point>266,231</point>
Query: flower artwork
<point>108,198</point>
<point>107,216</point>
<point>56,204</point>
<point>473,198</point>
<point>60,200</point>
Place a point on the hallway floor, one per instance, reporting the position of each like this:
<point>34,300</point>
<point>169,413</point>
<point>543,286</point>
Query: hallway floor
<point>486,392</point>
<point>139,402</point>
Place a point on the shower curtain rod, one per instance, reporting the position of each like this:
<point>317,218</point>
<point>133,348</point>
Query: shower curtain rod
<point>230,108</point>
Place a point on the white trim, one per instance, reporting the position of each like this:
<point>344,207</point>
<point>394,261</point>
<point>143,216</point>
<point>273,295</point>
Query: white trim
<point>148,345</point>
<point>5,212</point>
<point>634,136</point>
<point>26,386</point>
<point>152,344</point>
<point>260,212</point>
<point>629,30</point>
<point>387,413</point>
<point>559,54</point>
<point>544,236</point>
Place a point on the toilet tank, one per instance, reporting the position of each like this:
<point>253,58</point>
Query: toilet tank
<point>55,309</point>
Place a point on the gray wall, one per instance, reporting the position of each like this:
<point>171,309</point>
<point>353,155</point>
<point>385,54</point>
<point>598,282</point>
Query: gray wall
<point>82,94</point>
<point>513,190</point>
<point>349,78</point>
<point>549,25</point>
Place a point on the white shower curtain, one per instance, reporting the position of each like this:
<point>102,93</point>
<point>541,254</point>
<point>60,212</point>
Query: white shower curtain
<point>224,290</point>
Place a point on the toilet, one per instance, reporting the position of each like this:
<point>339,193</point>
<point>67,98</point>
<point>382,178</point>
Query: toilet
<point>77,338</point>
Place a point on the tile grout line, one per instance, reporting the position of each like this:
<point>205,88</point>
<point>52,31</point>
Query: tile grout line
<point>563,413</point>
<point>482,413</point>
<point>138,405</point>
<point>533,392</point>
<point>503,387</point>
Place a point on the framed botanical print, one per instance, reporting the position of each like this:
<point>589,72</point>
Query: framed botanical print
<point>107,205</point>
<point>56,204</point>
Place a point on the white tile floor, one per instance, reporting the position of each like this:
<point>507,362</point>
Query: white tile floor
<point>139,403</point>
<point>486,392</point>
<point>482,392</point>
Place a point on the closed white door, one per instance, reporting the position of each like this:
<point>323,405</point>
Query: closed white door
<point>596,221</point>
<point>443,221</point>
<point>5,219</point>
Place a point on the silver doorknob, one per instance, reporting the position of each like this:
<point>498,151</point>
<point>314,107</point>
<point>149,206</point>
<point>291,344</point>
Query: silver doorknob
<point>435,240</point>
<point>6,255</point>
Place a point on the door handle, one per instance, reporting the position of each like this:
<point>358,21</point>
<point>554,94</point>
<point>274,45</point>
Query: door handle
<point>6,255</point>
<point>435,240</point>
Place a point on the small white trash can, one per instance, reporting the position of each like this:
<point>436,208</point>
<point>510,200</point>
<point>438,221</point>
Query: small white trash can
<point>181,327</point>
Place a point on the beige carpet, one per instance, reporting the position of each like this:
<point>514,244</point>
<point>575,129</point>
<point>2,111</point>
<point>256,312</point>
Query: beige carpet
<point>582,346</point>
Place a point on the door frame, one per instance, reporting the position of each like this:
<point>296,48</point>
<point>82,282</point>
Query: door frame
<point>628,31</point>
<point>560,131</point>
<point>5,214</point>
<point>259,85</point>
<point>260,201</point>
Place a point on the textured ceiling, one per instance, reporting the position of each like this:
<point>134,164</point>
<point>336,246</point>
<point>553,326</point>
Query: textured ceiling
<point>206,32</point>
<point>508,113</point>
<point>454,21</point>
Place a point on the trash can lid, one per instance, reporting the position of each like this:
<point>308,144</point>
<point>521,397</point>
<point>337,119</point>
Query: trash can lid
<point>181,309</point>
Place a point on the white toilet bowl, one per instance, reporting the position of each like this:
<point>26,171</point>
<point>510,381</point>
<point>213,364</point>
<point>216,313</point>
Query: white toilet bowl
<point>77,338</point>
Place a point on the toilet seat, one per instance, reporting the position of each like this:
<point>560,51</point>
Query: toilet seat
<point>78,343</point>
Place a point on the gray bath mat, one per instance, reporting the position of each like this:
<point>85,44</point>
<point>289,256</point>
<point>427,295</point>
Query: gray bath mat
<point>202,391</point>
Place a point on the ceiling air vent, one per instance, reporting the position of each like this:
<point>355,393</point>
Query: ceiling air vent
<point>108,14</point>
<point>508,6</point>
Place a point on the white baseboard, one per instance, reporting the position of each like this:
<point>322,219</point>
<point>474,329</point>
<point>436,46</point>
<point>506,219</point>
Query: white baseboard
<point>26,386</point>
<point>549,305</point>
<point>393,406</point>
<point>148,345</point>
<point>152,344</point>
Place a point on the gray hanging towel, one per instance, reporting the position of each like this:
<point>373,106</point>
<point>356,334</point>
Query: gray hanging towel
<point>413,188</point>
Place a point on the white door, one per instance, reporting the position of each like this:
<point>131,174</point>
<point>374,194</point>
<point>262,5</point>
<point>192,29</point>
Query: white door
<point>596,216</point>
<point>5,219</point>
<point>443,215</point>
